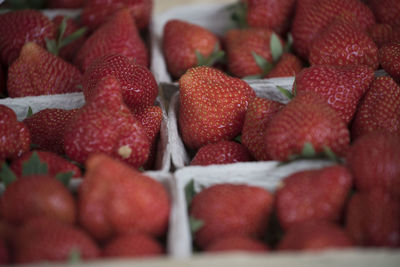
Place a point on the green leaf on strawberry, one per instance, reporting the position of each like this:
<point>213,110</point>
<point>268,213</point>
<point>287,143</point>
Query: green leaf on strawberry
<point>65,177</point>
<point>265,65</point>
<point>195,224</point>
<point>34,166</point>
<point>239,14</point>
<point>74,256</point>
<point>189,192</point>
<point>29,113</point>
<point>7,175</point>
<point>285,92</point>
<point>216,56</point>
<point>276,47</point>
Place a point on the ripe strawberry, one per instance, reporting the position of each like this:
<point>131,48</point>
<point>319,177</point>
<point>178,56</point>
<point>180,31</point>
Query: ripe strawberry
<point>38,195</point>
<point>38,72</point>
<point>341,86</point>
<point>116,199</point>
<point>106,125</point>
<point>222,152</point>
<point>373,218</point>
<point>183,41</point>
<point>389,58</point>
<point>374,161</point>
<point>313,195</point>
<point>55,164</point>
<point>96,12</point>
<point>343,43</point>
<point>15,138</point>
<point>306,119</point>
<point>288,65</point>
<point>379,109</point>
<point>380,33</point>
<point>118,35</point>
<point>65,3</point>
<point>315,235</point>
<point>212,106</point>
<point>139,88</point>
<point>47,128</point>
<point>314,15</point>
<point>237,243</point>
<point>386,11</point>
<point>20,27</point>
<point>258,115</point>
<point>7,230</point>
<point>227,209</point>
<point>2,81</point>
<point>43,239</point>
<point>133,246</point>
<point>4,252</point>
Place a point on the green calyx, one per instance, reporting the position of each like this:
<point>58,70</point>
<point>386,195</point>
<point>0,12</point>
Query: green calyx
<point>309,152</point>
<point>195,224</point>
<point>239,14</point>
<point>216,56</point>
<point>7,175</point>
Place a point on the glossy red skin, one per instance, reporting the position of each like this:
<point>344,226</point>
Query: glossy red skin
<point>228,209</point>
<point>389,58</point>
<point>133,246</point>
<point>212,106</point>
<point>181,40</point>
<point>373,218</point>
<point>237,243</point>
<point>288,65</point>
<point>315,236</point>
<point>69,4</point>
<point>38,72</point>
<point>380,33</point>
<point>20,27</point>
<point>374,161</point>
<point>379,109</point>
<point>386,11</point>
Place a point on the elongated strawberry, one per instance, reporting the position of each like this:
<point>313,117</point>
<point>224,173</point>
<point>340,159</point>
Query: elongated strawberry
<point>20,27</point>
<point>212,106</point>
<point>38,72</point>
<point>237,243</point>
<point>106,125</point>
<point>389,58</point>
<point>386,11</point>
<point>186,45</point>
<point>118,35</point>
<point>379,109</point>
<point>133,246</point>
<point>65,3</point>
<point>288,65</point>
<point>138,86</point>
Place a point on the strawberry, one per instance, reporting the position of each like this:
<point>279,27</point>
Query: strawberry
<point>222,152</point>
<point>116,199</point>
<point>7,230</point>
<point>55,164</point>
<point>343,43</point>
<point>186,45</point>
<point>20,27</point>
<point>237,243</point>
<point>258,115</point>
<point>106,125</point>
<point>65,3</point>
<point>288,65</point>
<point>38,195</point>
<point>386,11</point>
<point>314,15</point>
<point>313,195</point>
<point>4,252</point>
<point>2,82</point>
<point>389,58</point>
<point>374,161</point>
<point>212,106</point>
<point>118,35</point>
<point>315,235</point>
<point>96,12</point>
<point>47,128</point>
<point>139,88</point>
<point>227,209</point>
<point>380,33</point>
<point>43,239</point>
<point>133,246</point>
<point>341,86</point>
<point>373,218</point>
<point>379,109</point>
<point>306,119</point>
<point>15,138</point>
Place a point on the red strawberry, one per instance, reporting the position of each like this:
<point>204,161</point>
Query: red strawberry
<point>389,58</point>
<point>38,195</point>
<point>20,27</point>
<point>237,243</point>
<point>222,152</point>
<point>379,109</point>
<point>3,89</point>
<point>212,106</point>
<point>15,138</point>
<point>106,125</point>
<point>4,252</point>
<point>315,235</point>
<point>374,161</point>
<point>380,33</point>
<point>139,88</point>
<point>55,164</point>
<point>306,119</point>
<point>227,209</point>
<point>38,72</point>
<point>43,239</point>
<point>386,11</point>
<point>181,43</point>
<point>65,3</point>
<point>343,43</point>
<point>314,15</point>
<point>96,12</point>
<point>118,35</point>
<point>133,246</point>
<point>47,128</point>
<point>7,230</point>
<point>288,65</point>
<point>373,218</point>
<point>116,199</point>
<point>313,195</point>
<point>341,86</point>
